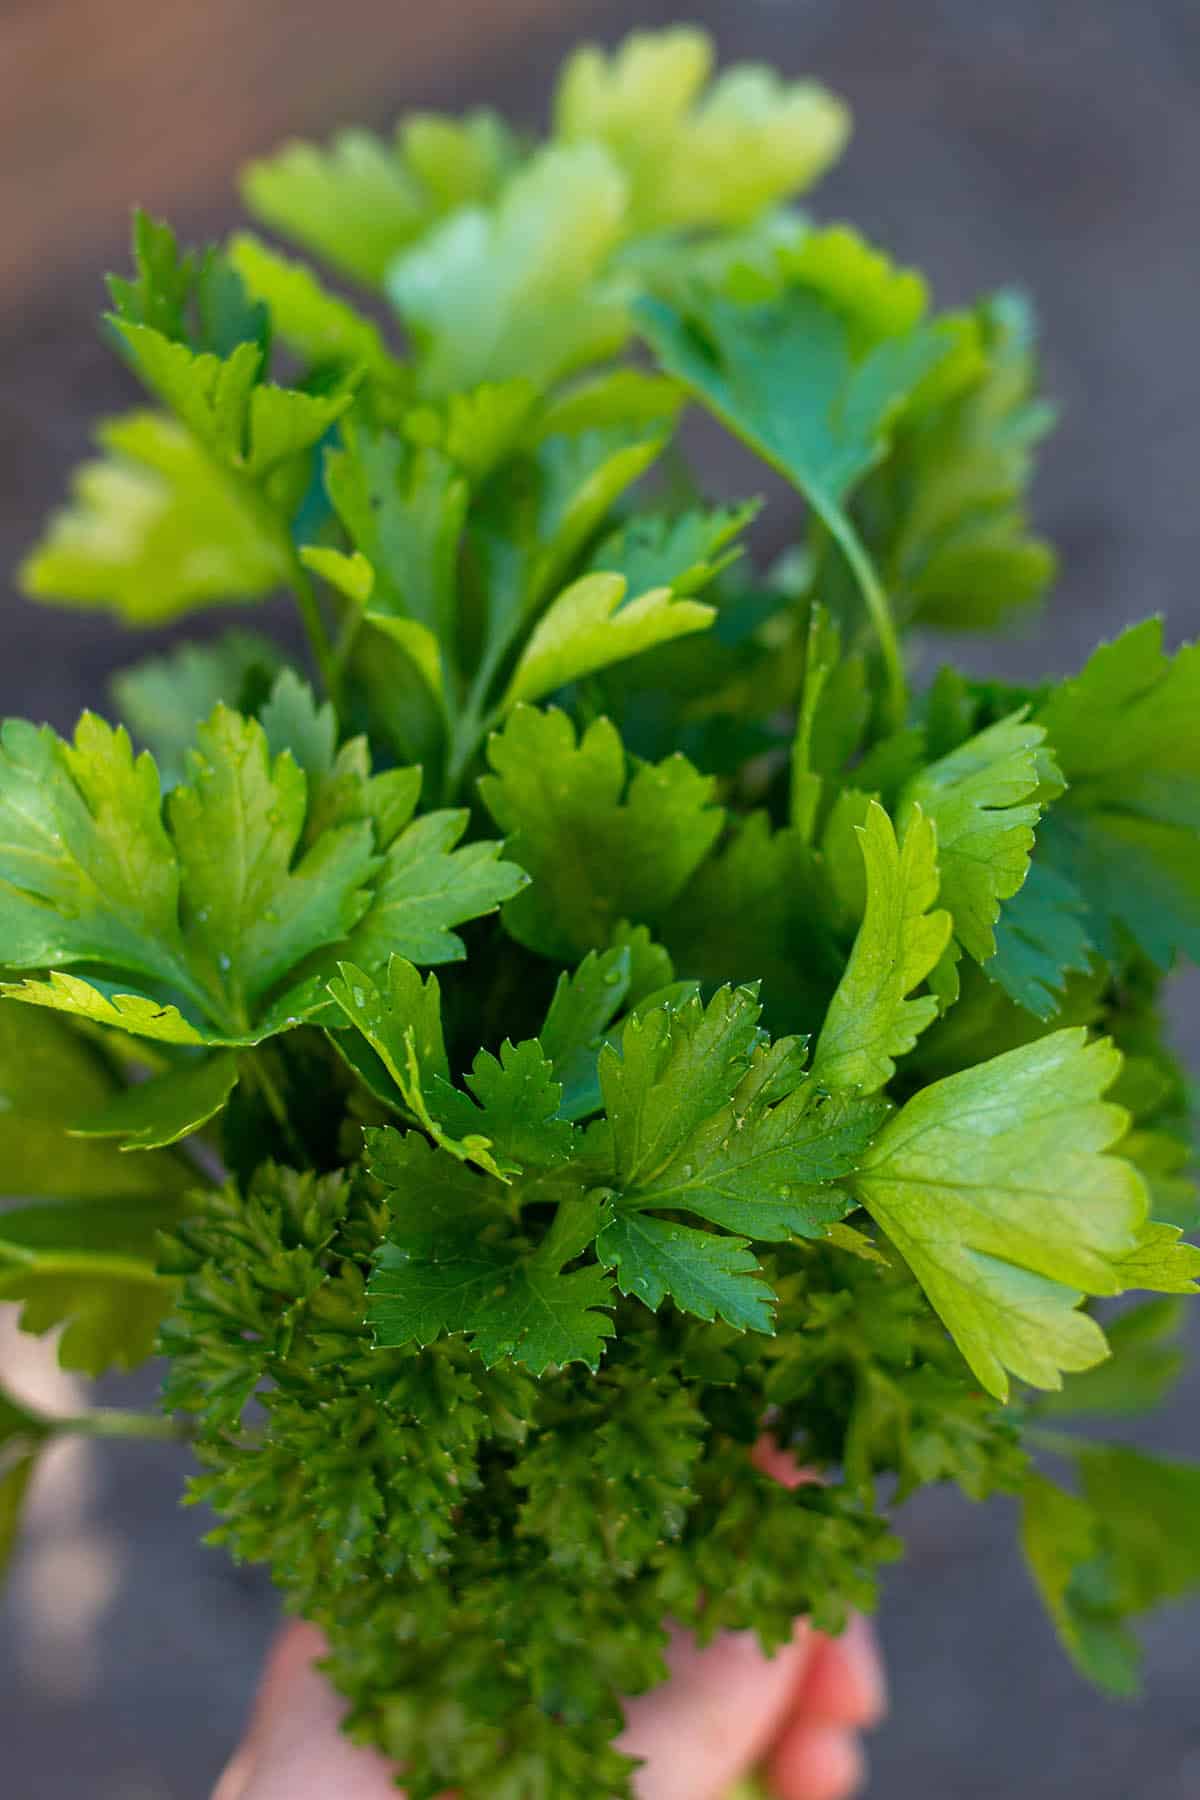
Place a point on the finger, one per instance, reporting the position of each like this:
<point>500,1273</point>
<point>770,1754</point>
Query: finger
<point>716,1718</point>
<point>844,1683</point>
<point>816,1762</point>
<point>294,1749</point>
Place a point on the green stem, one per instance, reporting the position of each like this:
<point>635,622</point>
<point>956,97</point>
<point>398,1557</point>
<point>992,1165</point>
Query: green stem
<point>276,1105</point>
<point>877,603</point>
<point>115,1422</point>
<point>344,643</point>
<point>314,626</point>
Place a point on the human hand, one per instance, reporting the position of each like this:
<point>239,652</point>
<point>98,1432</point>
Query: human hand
<point>725,1711</point>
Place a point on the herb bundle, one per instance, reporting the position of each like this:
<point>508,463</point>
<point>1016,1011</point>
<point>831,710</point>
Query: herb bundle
<point>599,1010</point>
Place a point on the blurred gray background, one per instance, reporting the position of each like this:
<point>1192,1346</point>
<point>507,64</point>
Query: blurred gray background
<point>1053,142</point>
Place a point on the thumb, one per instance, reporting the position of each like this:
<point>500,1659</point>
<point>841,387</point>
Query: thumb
<point>293,1749</point>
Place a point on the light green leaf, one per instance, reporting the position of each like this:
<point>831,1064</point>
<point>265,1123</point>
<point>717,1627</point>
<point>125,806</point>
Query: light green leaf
<point>871,1020</point>
<point>352,203</point>
<point>1161,1262</point>
<point>153,530</point>
<point>600,847</point>
<point>591,626</point>
<point>994,1186</point>
<point>165,1108</point>
<point>317,324</point>
<point>982,799</point>
<point>514,290</point>
<point>695,157</point>
<point>88,1266</point>
<point>49,1074</point>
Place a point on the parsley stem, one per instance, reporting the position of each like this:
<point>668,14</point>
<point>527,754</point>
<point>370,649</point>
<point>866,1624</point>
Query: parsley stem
<point>115,1422</point>
<point>314,627</point>
<point>276,1105</point>
<point>877,604</point>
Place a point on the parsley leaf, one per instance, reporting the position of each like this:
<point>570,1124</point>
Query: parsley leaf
<point>1125,832</point>
<point>994,1187</point>
<point>1122,1546</point>
<point>705,1119</point>
<point>601,846</point>
<point>982,800</point>
<point>871,1020</point>
<point>450,1264</point>
<point>695,157</point>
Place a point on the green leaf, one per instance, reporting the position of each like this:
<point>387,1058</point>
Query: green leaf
<point>248,426</point>
<point>167,1107</point>
<point>981,799</point>
<point>705,1119</point>
<point>1123,1546</point>
<point>154,529</point>
<point>192,298</point>
<point>164,699</point>
<point>88,1266</point>
<point>352,203</point>
<point>1161,1262</point>
<point>86,869</point>
<point>253,912</point>
<point>514,290</point>
<point>514,1101</point>
<point>1041,939</point>
<point>994,1187</point>
<point>16,1471</point>
<point>49,1075</point>
<point>360,200</point>
<point>683,551</point>
<point>695,157</point>
<point>405,1066</point>
<point>944,516</point>
<point>449,1264</point>
<point>600,847</point>
<point>315,323</point>
<point>426,887</point>
<point>586,1002</point>
<point>1126,833</point>
<point>1063,1541</point>
<point>591,626</point>
<point>1146,1361</point>
<point>404,509</point>
<point>871,1020</point>
<point>705,1274</point>
<point>213,906</point>
<point>759,909</point>
<point>782,376</point>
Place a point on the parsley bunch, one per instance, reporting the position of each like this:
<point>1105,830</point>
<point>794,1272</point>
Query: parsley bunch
<point>794,1059</point>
